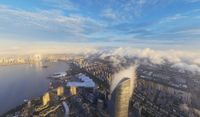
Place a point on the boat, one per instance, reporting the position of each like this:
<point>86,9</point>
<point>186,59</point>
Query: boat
<point>58,75</point>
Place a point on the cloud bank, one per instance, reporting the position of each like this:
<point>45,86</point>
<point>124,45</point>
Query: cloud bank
<point>130,73</point>
<point>182,60</point>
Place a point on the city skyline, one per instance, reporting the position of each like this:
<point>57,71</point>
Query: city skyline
<point>100,58</point>
<point>157,24</point>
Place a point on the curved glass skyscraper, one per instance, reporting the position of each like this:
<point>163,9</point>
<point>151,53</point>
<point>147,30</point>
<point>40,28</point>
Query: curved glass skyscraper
<point>119,103</point>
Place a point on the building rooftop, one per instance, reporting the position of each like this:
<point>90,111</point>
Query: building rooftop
<point>85,81</point>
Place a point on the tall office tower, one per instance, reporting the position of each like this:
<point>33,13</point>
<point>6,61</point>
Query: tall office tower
<point>119,103</point>
<point>73,90</point>
<point>46,98</point>
<point>60,91</point>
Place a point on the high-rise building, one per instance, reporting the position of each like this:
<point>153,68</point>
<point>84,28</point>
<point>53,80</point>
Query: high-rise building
<point>46,98</point>
<point>119,103</point>
<point>60,91</point>
<point>73,90</point>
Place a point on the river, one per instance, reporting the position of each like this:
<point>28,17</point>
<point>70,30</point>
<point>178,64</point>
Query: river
<point>20,82</point>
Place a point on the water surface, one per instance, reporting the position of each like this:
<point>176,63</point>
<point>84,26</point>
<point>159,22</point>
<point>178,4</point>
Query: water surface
<point>20,82</point>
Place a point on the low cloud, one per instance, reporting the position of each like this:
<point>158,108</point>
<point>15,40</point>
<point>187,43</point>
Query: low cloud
<point>130,73</point>
<point>182,60</point>
<point>187,67</point>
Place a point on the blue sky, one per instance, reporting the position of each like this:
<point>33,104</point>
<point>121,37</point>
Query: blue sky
<point>141,23</point>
